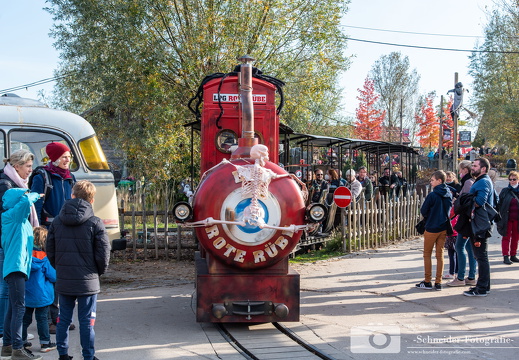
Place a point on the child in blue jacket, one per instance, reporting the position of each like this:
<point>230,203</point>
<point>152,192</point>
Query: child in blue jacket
<point>39,291</point>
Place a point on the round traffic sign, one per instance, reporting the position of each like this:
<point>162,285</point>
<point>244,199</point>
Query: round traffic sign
<point>342,196</point>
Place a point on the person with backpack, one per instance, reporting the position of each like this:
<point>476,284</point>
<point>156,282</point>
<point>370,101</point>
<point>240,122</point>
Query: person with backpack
<point>15,174</point>
<point>54,180</point>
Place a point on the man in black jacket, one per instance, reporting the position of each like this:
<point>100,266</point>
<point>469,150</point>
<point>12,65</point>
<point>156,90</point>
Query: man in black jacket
<point>79,250</point>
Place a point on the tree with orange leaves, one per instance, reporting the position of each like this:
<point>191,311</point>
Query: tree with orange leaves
<point>448,123</point>
<point>368,125</point>
<point>428,123</point>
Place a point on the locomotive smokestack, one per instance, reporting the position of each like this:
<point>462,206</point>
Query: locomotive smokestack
<point>247,139</point>
<point>247,106</point>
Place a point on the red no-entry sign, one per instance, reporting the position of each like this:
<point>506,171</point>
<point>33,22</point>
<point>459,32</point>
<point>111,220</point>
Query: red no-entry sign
<point>342,196</point>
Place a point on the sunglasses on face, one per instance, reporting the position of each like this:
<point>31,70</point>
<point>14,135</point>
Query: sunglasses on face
<point>512,179</point>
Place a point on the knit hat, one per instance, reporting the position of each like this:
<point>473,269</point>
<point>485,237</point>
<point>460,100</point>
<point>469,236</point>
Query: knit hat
<point>55,150</point>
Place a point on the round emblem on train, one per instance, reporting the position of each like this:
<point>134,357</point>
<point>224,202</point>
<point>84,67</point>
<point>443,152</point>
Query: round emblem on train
<point>247,244</point>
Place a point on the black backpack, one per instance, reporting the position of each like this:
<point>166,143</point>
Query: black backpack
<point>46,180</point>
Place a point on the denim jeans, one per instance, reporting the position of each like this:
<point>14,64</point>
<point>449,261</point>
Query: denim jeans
<point>42,323</point>
<point>86,313</point>
<point>481,254</point>
<point>462,245</point>
<point>14,316</point>
<point>4,293</point>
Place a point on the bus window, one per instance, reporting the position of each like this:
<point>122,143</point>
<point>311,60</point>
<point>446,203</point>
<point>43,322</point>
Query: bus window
<point>35,142</point>
<point>2,144</point>
<point>93,153</point>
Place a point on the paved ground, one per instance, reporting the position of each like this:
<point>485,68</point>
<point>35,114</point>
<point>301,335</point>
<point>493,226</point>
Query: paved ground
<point>370,294</point>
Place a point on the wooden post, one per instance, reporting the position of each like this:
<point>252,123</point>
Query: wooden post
<point>166,226</point>
<point>144,226</point>
<point>179,242</point>
<point>134,233</point>
<point>156,229</point>
<point>455,133</point>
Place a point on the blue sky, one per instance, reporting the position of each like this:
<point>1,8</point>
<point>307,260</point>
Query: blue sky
<point>27,53</point>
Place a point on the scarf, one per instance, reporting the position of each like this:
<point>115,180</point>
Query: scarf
<point>10,171</point>
<point>64,173</point>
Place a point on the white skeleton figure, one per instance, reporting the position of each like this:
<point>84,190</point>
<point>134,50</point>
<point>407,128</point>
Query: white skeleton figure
<point>255,180</point>
<point>255,183</point>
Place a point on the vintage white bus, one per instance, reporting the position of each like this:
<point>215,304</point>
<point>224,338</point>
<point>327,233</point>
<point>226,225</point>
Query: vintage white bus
<point>29,124</point>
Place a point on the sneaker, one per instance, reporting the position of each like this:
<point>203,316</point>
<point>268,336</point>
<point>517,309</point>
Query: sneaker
<point>448,276</point>
<point>27,345</point>
<point>48,347</point>
<point>475,292</point>
<point>65,357</point>
<point>471,282</point>
<point>24,354</point>
<point>437,286</point>
<point>30,336</point>
<point>72,327</point>
<point>7,351</point>
<point>456,282</point>
<point>424,285</point>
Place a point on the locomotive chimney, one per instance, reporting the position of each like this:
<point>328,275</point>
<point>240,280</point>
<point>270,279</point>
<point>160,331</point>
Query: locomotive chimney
<point>247,139</point>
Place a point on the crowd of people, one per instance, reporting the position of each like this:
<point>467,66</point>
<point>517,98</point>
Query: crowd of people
<point>53,250</point>
<point>459,216</point>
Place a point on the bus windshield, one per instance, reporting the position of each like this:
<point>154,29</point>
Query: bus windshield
<point>93,153</point>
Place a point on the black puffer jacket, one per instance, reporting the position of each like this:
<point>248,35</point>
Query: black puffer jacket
<point>78,248</point>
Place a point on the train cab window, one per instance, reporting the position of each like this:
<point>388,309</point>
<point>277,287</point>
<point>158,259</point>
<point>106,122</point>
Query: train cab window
<point>225,139</point>
<point>35,142</point>
<point>93,153</point>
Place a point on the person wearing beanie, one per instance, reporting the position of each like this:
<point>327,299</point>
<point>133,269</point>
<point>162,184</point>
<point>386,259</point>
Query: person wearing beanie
<point>50,205</point>
<point>353,184</point>
<point>62,182</point>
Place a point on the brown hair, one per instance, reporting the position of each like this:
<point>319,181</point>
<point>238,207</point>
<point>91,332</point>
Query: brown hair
<point>40,237</point>
<point>85,190</point>
<point>484,163</point>
<point>439,175</point>
<point>333,174</point>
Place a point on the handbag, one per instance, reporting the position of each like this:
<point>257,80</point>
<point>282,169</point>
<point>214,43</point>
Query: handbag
<point>420,226</point>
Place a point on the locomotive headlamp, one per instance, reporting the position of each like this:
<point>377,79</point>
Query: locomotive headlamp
<point>182,211</point>
<point>316,212</point>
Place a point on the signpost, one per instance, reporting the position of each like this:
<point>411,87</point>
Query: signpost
<point>342,198</point>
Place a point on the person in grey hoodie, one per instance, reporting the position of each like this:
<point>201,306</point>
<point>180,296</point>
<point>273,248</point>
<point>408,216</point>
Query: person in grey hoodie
<point>435,209</point>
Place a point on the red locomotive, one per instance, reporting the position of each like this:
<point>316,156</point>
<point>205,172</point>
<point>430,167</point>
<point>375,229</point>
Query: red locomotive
<point>248,212</point>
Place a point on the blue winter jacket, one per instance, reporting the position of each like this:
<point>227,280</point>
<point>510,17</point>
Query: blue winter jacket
<point>39,290</point>
<point>436,209</point>
<point>61,192</point>
<point>484,190</point>
<point>17,235</point>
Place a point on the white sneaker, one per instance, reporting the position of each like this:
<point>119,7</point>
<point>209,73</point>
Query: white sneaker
<point>448,276</point>
<point>30,336</point>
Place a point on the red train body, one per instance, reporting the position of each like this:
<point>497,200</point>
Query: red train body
<point>248,212</point>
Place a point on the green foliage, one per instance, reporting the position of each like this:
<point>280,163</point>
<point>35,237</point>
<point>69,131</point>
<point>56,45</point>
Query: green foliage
<point>496,79</point>
<point>131,66</point>
<point>360,161</point>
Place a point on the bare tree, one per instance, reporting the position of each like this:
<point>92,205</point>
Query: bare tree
<point>396,83</point>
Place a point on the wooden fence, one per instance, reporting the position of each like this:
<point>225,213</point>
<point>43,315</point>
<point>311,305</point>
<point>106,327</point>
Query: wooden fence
<point>368,225</point>
<point>371,224</point>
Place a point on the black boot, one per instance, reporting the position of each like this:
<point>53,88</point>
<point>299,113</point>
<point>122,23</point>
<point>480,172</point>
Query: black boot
<point>506,260</point>
<point>65,357</point>
<point>514,258</point>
